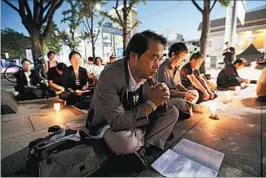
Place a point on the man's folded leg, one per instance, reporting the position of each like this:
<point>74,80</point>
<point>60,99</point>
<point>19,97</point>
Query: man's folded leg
<point>124,142</point>
<point>160,128</point>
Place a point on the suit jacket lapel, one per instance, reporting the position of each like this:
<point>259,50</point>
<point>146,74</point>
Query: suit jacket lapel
<point>127,78</point>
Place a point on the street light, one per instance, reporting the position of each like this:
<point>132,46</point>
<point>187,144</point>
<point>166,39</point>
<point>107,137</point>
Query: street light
<point>97,6</point>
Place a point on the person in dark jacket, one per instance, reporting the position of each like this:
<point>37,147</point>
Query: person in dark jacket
<point>29,83</point>
<point>76,80</point>
<point>192,78</point>
<point>228,78</point>
<point>229,56</point>
<point>57,78</point>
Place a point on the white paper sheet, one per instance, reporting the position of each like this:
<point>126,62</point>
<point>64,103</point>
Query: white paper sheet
<point>199,153</point>
<point>171,164</point>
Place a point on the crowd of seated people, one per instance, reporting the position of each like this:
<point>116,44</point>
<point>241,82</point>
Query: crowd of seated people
<point>169,73</point>
<point>137,100</point>
<point>73,84</point>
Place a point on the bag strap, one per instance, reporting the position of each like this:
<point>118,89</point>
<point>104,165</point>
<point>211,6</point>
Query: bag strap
<point>63,135</point>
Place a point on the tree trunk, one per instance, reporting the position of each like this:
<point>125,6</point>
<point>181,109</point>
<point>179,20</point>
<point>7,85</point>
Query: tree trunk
<point>124,25</point>
<point>92,39</point>
<point>37,45</point>
<point>124,38</point>
<point>93,50</point>
<point>205,32</point>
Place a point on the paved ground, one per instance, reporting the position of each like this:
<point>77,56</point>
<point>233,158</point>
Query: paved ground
<point>240,133</point>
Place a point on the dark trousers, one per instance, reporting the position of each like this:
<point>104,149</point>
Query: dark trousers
<point>82,101</point>
<point>229,83</point>
<point>262,98</point>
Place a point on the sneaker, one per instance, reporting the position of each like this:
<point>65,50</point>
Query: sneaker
<point>148,154</point>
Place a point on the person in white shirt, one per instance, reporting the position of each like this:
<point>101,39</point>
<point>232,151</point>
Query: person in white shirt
<point>97,67</point>
<point>89,67</point>
<point>261,86</point>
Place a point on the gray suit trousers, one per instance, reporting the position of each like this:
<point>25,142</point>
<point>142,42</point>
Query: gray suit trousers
<point>156,133</point>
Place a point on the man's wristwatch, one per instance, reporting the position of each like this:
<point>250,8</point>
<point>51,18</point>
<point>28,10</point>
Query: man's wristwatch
<point>151,104</point>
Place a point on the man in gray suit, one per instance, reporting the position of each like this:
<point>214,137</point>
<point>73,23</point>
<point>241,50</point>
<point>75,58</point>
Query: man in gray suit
<point>128,105</point>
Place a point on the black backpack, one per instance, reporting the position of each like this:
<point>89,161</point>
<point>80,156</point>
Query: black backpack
<point>65,153</point>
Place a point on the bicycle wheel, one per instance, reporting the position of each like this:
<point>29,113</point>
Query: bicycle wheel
<point>42,73</point>
<point>9,73</point>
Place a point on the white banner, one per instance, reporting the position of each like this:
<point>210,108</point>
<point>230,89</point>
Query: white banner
<point>228,20</point>
<point>241,11</point>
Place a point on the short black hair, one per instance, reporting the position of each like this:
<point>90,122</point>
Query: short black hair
<point>90,59</point>
<point>61,66</point>
<point>232,50</point>
<point>240,61</point>
<point>73,53</point>
<point>196,56</point>
<point>177,48</point>
<point>139,42</point>
<point>112,57</point>
<point>49,53</point>
<point>24,60</point>
<point>95,61</point>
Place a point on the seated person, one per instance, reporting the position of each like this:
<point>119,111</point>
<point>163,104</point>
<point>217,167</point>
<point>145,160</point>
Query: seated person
<point>76,81</point>
<point>51,61</point>
<point>97,67</point>
<point>192,79</point>
<point>169,74</point>
<point>57,78</point>
<point>228,78</point>
<point>229,56</point>
<point>29,83</point>
<point>89,68</point>
<point>112,59</point>
<point>127,107</point>
<point>261,86</point>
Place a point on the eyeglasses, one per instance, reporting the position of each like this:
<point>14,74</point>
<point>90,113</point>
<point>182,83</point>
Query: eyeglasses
<point>154,58</point>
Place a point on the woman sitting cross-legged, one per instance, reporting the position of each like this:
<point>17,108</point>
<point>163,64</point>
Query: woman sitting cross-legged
<point>228,78</point>
<point>76,81</point>
<point>29,83</point>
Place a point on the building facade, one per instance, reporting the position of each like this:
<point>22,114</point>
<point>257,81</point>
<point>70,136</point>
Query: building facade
<point>252,32</point>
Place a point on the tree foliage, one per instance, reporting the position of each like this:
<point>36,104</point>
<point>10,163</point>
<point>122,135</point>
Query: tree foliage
<point>91,15</point>
<point>122,18</point>
<point>14,43</point>
<point>34,19</point>
<point>73,17</point>
<point>53,41</point>
<point>206,11</point>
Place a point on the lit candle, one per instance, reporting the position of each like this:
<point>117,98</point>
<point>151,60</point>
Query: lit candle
<point>237,89</point>
<point>56,107</point>
<point>228,96</point>
<point>213,108</point>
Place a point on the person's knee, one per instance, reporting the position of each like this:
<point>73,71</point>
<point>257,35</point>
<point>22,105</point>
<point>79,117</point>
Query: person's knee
<point>179,103</point>
<point>123,142</point>
<point>173,113</point>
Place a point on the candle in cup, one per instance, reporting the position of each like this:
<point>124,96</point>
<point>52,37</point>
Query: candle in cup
<point>213,108</point>
<point>228,96</point>
<point>237,89</point>
<point>56,107</point>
